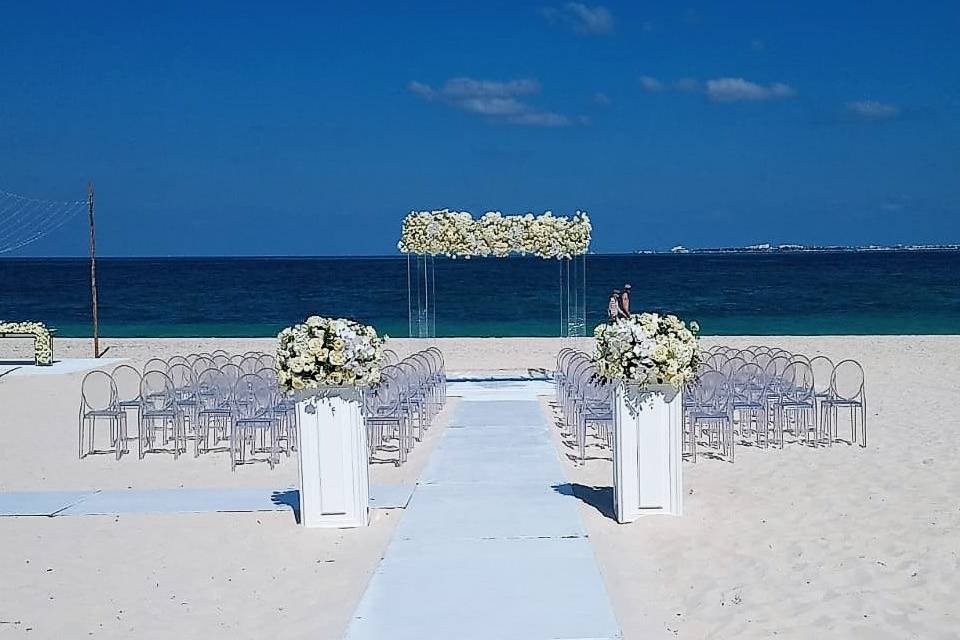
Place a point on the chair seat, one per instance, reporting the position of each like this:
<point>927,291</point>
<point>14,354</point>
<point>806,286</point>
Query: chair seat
<point>102,413</point>
<point>842,402</point>
<point>806,404</point>
<point>707,414</point>
<point>160,413</point>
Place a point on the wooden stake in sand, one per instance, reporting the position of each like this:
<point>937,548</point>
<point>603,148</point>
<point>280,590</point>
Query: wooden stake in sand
<point>93,271</point>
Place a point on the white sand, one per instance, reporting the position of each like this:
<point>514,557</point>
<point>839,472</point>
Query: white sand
<point>839,542</point>
<point>835,542</point>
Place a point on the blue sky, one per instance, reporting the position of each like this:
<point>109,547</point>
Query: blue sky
<point>312,128</point>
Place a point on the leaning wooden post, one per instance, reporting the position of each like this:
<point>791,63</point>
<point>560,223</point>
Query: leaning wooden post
<point>93,271</point>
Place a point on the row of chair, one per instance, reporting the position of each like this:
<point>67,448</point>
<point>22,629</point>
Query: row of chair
<point>238,408</point>
<point>399,409</point>
<point>755,394</point>
<point>583,399</point>
<point>225,408</point>
<point>762,392</point>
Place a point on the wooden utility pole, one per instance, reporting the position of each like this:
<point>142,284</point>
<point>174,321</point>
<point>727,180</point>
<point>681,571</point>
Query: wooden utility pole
<point>93,271</point>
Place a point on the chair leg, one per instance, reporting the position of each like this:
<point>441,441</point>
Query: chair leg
<point>863,421</point>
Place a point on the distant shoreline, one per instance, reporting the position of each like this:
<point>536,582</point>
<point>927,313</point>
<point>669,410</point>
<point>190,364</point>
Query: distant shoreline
<point>793,248</point>
<point>756,250</point>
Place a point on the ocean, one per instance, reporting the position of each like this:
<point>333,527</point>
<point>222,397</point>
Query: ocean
<point>897,292</point>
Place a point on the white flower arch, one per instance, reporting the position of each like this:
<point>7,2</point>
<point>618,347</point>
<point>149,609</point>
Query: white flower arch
<point>459,234</point>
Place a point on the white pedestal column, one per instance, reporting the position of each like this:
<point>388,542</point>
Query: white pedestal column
<point>332,443</point>
<point>647,452</point>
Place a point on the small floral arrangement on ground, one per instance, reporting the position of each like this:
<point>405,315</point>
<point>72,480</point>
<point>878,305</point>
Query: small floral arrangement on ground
<point>42,340</point>
<point>459,234</point>
<point>648,349</point>
<point>332,352</point>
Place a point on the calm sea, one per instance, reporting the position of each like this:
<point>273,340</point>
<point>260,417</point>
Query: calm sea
<point>810,293</point>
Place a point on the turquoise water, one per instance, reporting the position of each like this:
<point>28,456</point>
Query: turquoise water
<point>801,294</point>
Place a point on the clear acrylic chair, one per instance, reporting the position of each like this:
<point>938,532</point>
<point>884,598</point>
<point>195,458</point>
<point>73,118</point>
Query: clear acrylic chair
<point>822,368</point>
<point>596,410</point>
<point>127,380</point>
<point>98,401</point>
<point>709,407</point>
<point>161,422</point>
<point>797,403</point>
<point>384,416</point>
<point>750,402</point>
<point>185,386</point>
<point>214,414</point>
<point>846,391</point>
<point>254,425</point>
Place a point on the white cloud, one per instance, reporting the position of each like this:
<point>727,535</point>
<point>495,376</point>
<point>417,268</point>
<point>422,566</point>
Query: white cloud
<point>468,87</point>
<point>687,85</point>
<point>497,100</point>
<point>740,90</point>
<point>601,99</point>
<point>540,119</point>
<point>422,90</point>
<point>873,110</point>
<point>586,20</point>
<point>651,84</point>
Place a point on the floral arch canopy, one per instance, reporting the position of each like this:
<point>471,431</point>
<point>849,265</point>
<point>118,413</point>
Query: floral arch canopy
<point>458,234</point>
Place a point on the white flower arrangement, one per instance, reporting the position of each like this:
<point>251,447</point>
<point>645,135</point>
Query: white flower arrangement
<point>42,339</point>
<point>328,352</point>
<point>648,349</point>
<point>458,234</point>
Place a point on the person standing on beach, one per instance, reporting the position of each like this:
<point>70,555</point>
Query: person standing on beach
<point>613,306</point>
<point>625,301</point>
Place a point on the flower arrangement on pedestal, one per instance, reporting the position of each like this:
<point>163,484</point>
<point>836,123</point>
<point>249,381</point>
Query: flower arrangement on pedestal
<point>328,352</point>
<point>458,234</point>
<point>42,340</point>
<point>648,349</point>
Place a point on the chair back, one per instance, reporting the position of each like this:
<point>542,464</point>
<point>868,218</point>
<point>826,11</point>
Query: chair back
<point>711,392</point>
<point>822,367</point>
<point>98,391</point>
<point>798,382</point>
<point>157,391</point>
<point>847,380</point>
<point>268,361</point>
<point>213,389</point>
<point>127,379</point>
<point>252,396</point>
<point>202,363</point>
<point>250,364</point>
<point>232,373</point>
<point>155,364</point>
<point>182,377</point>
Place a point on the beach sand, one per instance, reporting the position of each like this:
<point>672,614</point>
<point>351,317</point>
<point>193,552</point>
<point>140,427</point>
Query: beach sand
<point>839,542</point>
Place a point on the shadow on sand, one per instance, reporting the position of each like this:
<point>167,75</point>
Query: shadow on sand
<point>289,498</point>
<point>600,498</point>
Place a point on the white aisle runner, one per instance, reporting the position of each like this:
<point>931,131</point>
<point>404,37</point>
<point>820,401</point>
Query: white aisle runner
<point>488,548</point>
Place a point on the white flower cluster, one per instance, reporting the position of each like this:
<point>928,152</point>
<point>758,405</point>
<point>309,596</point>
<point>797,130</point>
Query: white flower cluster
<point>42,340</point>
<point>459,234</point>
<point>328,352</point>
<point>648,349</point>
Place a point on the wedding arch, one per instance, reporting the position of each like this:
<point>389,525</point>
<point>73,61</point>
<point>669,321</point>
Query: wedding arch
<point>457,234</point>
